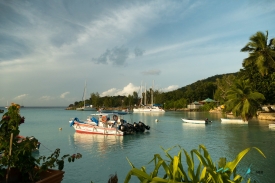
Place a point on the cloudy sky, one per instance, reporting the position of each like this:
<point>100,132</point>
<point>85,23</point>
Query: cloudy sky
<point>49,48</point>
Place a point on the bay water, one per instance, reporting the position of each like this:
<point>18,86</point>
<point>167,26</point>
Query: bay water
<point>106,155</point>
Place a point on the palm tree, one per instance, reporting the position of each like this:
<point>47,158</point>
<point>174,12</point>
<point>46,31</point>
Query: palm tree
<point>260,53</point>
<point>242,101</point>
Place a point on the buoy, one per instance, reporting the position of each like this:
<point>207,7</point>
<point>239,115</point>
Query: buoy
<point>60,128</point>
<point>156,120</point>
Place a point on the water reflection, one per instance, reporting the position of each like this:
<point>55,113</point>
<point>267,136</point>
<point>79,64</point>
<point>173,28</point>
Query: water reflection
<point>102,143</point>
<point>190,125</point>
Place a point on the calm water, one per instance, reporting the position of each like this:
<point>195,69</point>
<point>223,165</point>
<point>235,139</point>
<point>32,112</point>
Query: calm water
<point>106,155</point>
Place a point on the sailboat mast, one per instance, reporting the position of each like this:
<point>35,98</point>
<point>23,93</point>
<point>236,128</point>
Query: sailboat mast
<point>141,94</point>
<point>152,94</point>
<point>84,95</point>
<point>145,103</point>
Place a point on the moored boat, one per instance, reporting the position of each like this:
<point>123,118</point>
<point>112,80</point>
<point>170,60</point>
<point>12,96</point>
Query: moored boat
<point>196,121</point>
<point>107,124</point>
<point>149,109</point>
<point>233,120</point>
<point>144,107</point>
<point>272,125</point>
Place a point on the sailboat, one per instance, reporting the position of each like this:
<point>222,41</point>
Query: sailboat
<point>85,108</point>
<point>7,106</point>
<point>150,107</point>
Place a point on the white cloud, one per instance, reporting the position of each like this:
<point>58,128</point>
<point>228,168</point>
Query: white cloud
<point>130,88</point>
<point>127,90</point>
<point>170,88</point>
<point>20,97</point>
<point>63,95</point>
<point>110,92</point>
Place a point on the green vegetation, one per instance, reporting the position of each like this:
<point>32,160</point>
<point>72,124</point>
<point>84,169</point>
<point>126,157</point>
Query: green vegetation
<point>205,172</point>
<point>258,70</point>
<point>242,101</point>
<point>16,152</point>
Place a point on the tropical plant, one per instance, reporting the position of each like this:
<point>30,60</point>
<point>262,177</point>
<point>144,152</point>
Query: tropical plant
<point>208,106</point>
<point>223,85</point>
<point>242,101</point>
<point>17,154</point>
<point>205,172</point>
<point>261,53</point>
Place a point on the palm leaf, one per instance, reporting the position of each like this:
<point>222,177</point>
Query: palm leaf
<point>232,165</point>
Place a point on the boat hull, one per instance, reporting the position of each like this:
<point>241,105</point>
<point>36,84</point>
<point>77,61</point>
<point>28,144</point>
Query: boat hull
<point>271,125</point>
<point>237,121</point>
<point>93,129</point>
<point>149,110</point>
<point>194,121</point>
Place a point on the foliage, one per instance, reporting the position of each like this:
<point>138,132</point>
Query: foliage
<point>17,154</point>
<point>223,85</point>
<point>261,53</point>
<point>242,101</point>
<point>208,106</point>
<point>205,172</point>
<point>263,84</point>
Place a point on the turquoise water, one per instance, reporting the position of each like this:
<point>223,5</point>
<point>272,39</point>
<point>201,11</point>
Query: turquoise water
<point>106,155</point>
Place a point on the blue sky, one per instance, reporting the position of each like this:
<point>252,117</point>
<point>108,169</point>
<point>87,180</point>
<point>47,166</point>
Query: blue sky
<point>48,49</point>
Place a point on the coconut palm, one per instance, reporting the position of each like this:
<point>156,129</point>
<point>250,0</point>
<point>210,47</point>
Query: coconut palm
<point>260,53</point>
<point>242,101</point>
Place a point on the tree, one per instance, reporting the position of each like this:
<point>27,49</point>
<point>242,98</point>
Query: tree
<point>95,99</point>
<point>260,53</point>
<point>262,84</point>
<point>242,101</point>
<point>223,85</point>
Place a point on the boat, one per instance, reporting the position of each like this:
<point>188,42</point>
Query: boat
<point>85,108</point>
<point>1,110</point>
<point>233,120</point>
<point>7,106</point>
<point>196,121</point>
<point>103,110</point>
<point>272,125</point>
<point>108,124</point>
<point>150,107</point>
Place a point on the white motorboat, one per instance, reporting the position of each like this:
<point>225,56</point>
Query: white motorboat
<point>196,121</point>
<point>107,124</point>
<point>233,120</point>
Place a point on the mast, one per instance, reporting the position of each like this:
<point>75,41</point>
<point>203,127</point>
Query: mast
<point>145,103</point>
<point>152,94</point>
<point>84,95</point>
<point>141,94</point>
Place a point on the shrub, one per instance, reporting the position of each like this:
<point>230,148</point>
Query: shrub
<point>205,172</point>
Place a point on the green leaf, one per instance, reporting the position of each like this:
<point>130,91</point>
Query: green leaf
<point>232,165</point>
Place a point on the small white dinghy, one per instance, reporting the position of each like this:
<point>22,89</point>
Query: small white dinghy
<point>233,120</point>
<point>196,121</point>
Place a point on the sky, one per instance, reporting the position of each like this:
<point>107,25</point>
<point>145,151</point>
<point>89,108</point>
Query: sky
<point>49,49</point>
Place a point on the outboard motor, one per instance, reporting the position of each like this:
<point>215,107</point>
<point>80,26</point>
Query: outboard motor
<point>135,127</point>
<point>122,128</point>
<point>141,126</point>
